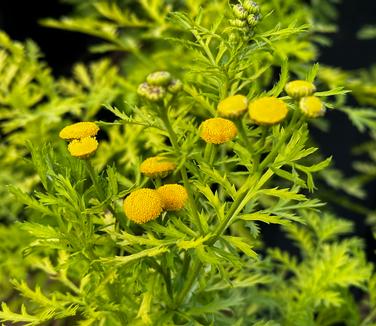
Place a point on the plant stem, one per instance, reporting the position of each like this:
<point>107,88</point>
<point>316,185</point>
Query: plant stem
<point>183,171</point>
<point>243,134</point>
<point>209,153</point>
<point>94,179</point>
<point>192,274</point>
<point>260,179</point>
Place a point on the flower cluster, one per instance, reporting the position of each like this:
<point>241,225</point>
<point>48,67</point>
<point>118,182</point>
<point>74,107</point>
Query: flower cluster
<point>82,138</point>
<point>157,85</point>
<point>144,205</point>
<point>303,91</point>
<point>247,15</point>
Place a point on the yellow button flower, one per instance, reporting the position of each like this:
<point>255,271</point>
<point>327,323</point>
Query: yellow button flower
<point>218,130</point>
<point>299,88</point>
<point>267,110</point>
<point>233,106</point>
<point>173,196</point>
<point>79,130</point>
<point>143,205</point>
<point>312,106</point>
<point>82,148</point>
<point>157,167</point>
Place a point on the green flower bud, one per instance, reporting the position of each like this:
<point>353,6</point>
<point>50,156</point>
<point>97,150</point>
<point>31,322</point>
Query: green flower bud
<point>251,6</point>
<point>159,78</point>
<point>253,20</point>
<point>238,22</point>
<point>175,86</point>
<point>239,11</point>
<point>151,92</point>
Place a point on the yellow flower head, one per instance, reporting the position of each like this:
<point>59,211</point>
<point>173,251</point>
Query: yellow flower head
<point>173,196</point>
<point>79,130</point>
<point>299,88</point>
<point>157,167</point>
<point>143,205</point>
<point>312,106</point>
<point>83,148</point>
<point>267,110</point>
<point>233,106</point>
<point>218,130</point>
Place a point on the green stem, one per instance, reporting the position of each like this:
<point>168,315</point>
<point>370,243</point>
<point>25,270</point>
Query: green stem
<point>100,193</point>
<point>289,130</point>
<point>243,134</point>
<point>260,178</point>
<point>183,171</point>
<point>192,275</point>
<point>370,318</point>
<point>157,182</point>
<point>209,153</point>
<point>94,179</point>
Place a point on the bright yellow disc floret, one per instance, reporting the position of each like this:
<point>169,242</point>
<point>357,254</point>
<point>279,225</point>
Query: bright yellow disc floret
<point>233,106</point>
<point>218,130</point>
<point>157,167</point>
<point>299,88</point>
<point>173,196</point>
<point>79,130</point>
<point>143,205</point>
<point>312,106</point>
<point>83,148</point>
<point>267,110</point>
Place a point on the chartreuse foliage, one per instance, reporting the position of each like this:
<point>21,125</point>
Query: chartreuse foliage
<point>74,255</point>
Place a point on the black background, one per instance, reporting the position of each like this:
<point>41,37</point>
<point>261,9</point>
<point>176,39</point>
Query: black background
<point>20,20</point>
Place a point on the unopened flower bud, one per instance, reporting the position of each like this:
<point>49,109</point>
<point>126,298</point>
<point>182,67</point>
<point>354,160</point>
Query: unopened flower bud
<point>299,88</point>
<point>175,86</point>
<point>239,11</point>
<point>312,106</point>
<point>238,22</point>
<point>251,6</point>
<point>253,19</point>
<point>151,92</point>
<point>159,78</point>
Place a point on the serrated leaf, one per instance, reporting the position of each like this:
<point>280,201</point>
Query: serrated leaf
<point>283,194</point>
<point>242,245</point>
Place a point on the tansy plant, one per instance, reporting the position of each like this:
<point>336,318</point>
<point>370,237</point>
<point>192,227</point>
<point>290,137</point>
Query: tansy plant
<point>158,218</point>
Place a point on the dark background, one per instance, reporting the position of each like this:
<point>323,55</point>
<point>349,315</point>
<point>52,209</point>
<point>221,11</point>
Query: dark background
<point>19,18</point>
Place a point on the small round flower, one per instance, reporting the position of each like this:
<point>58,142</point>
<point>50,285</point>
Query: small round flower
<point>239,11</point>
<point>251,6</point>
<point>312,106</point>
<point>83,148</point>
<point>232,106</point>
<point>173,196</point>
<point>150,92</point>
<point>267,110</point>
<point>79,130</point>
<point>299,88</point>
<point>218,130</point>
<point>175,86</point>
<point>159,78</point>
<point>157,167</point>
<point>143,205</point>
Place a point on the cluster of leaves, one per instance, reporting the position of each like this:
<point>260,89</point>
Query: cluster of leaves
<point>80,259</point>
<point>34,106</point>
